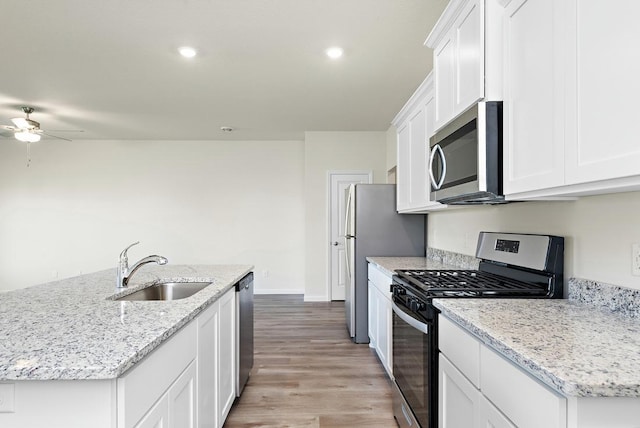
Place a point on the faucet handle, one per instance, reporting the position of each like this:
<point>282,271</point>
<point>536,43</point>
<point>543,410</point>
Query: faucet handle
<point>123,254</point>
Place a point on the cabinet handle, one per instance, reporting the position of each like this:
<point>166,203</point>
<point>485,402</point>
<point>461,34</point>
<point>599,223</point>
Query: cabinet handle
<point>437,149</point>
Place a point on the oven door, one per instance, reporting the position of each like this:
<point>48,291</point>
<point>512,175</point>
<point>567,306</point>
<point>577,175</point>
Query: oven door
<point>414,369</point>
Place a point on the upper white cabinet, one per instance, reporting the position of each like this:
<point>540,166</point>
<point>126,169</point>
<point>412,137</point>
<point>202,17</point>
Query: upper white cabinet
<point>415,124</point>
<point>467,55</point>
<point>570,84</point>
<point>534,96</point>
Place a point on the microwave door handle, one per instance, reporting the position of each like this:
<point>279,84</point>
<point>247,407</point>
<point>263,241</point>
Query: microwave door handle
<point>437,150</point>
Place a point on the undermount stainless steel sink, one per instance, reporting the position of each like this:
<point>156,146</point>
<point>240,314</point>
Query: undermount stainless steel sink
<point>167,291</point>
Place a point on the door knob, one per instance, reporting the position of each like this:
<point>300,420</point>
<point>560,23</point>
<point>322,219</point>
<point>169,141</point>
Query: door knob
<point>335,244</point>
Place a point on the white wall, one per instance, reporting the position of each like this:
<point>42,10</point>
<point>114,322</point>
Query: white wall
<point>598,231</point>
<point>332,151</point>
<point>80,203</point>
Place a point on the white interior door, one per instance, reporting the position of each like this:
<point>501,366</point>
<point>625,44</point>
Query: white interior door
<point>338,184</point>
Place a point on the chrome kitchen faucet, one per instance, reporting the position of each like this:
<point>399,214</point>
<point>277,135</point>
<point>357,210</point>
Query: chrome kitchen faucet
<point>125,272</point>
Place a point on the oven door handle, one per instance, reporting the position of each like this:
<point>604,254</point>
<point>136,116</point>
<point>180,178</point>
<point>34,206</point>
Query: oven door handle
<point>420,326</point>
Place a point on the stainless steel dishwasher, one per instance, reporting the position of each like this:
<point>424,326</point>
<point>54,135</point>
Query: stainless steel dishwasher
<point>244,328</point>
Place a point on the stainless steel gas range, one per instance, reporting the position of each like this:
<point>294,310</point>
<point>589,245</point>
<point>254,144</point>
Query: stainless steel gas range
<point>512,266</point>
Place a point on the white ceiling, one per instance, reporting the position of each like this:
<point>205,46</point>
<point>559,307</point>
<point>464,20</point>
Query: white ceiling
<point>111,67</point>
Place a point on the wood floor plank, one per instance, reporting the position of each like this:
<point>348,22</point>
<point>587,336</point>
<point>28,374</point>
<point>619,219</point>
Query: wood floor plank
<point>308,373</point>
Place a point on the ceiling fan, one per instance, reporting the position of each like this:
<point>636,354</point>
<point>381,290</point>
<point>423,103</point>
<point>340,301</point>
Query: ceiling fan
<point>28,130</point>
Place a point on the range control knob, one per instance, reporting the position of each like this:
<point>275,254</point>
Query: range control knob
<point>399,291</point>
<point>416,305</point>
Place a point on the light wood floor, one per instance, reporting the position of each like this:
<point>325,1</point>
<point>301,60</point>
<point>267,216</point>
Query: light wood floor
<point>308,373</point>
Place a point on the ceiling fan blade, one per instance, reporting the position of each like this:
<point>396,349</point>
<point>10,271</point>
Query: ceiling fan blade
<point>9,128</point>
<point>53,136</point>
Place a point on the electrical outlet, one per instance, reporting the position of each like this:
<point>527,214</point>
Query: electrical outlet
<point>265,274</point>
<point>635,259</point>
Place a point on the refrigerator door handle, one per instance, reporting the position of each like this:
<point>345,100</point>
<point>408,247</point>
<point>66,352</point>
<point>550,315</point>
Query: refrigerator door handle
<point>347,231</point>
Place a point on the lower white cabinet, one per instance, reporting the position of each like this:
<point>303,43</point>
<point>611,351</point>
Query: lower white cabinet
<point>380,317</point>
<point>144,393</point>
<point>216,361</point>
<point>227,354</point>
<point>458,398</point>
<point>189,381</point>
<point>479,388</point>
<point>176,408</point>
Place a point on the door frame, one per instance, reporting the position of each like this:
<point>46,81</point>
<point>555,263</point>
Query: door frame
<point>330,175</point>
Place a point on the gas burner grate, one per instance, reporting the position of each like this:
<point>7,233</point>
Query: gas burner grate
<point>469,283</point>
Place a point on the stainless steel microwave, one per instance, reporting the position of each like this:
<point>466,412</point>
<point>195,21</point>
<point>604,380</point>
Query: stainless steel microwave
<point>465,162</point>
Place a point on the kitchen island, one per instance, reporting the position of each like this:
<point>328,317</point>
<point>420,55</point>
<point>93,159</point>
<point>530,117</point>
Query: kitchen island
<point>70,353</point>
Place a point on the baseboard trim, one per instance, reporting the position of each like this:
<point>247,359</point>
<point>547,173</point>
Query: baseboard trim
<point>277,291</point>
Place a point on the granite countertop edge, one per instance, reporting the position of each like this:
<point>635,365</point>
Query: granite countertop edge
<point>73,329</point>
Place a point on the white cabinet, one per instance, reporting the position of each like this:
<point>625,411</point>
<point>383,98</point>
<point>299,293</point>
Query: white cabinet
<point>227,355</point>
<point>467,57</point>
<point>458,398</point>
<point>479,388</point>
<point>158,416</point>
<point>162,387</point>
<point>534,111</point>
<point>208,350</point>
<point>380,316</point>
<point>415,125</point>
<point>216,361</point>
<point>190,380</point>
<point>570,98</point>
<point>182,399</point>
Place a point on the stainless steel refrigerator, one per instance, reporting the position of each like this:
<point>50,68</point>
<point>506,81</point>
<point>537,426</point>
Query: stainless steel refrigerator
<point>374,228</point>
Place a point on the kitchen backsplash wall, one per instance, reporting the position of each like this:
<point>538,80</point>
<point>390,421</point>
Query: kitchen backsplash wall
<point>599,231</point>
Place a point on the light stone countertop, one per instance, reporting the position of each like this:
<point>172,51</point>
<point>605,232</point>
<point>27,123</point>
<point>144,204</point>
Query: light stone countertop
<point>390,264</point>
<point>436,260</point>
<point>574,348</point>
<point>69,329</point>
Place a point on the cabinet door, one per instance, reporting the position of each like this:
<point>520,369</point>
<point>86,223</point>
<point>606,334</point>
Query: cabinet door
<point>419,152</point>
<point>384,332</point>
<point>208,326</point>
<point>469,71</point>
<point>182,400</point>
<point>602,142</point>
<point>227,355</point>
<point>372,315</point>
<point>403,167</point>
<point>444,75</point>
<point>158,416</point>
<point>490,417</point>
<point>458,399</point>
<point>534,95</point>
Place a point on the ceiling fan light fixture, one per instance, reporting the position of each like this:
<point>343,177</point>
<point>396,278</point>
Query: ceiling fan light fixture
<point>27,137</point>
<point>21,122</point>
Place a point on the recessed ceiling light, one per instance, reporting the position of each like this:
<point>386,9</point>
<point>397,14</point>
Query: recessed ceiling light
<point>334,52</point>
<point>226,129</point>
<point>187,52</point>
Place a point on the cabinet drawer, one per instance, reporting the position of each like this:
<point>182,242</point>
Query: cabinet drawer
<point>146,382</point>
<point>380,280</point>
<point>462,349</point>
<point>525,400</point>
